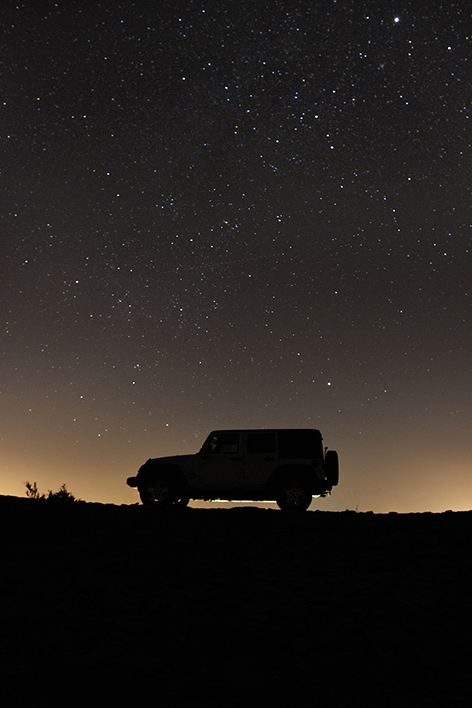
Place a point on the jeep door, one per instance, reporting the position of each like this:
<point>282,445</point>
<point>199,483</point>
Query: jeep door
<point>220,462</point>
<point>261,456</point>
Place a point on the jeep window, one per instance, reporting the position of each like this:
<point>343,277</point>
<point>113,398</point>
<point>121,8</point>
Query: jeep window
<point>263,443</point>
<point>224,443</point>
<point>300,444</point>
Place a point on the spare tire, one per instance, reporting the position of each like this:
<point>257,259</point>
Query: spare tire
<point>332,467</point>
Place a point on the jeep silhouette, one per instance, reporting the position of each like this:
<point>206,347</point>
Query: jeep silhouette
<point>286,466</point>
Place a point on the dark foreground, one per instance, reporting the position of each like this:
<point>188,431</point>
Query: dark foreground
<point>233,607</point>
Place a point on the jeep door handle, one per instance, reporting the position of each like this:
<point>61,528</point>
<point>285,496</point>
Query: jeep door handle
<point>235,459</point>
<point>269,459</point>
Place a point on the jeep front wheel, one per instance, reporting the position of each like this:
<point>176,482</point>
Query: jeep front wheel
<point>293,495</point>
<point>157,490</point>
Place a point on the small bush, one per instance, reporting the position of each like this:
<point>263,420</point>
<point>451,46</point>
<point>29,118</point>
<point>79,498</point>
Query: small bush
<point>32,491</point>
<point>62,494</point>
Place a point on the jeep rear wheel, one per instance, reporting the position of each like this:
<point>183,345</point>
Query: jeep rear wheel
<point>157,490</point>
<point>293,495</point>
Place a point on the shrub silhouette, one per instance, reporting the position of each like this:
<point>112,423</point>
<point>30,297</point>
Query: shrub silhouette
<point>62,494</point>
<point>32,491</point>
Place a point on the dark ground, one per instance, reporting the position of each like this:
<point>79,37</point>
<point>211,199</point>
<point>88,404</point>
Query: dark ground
<point>105,605</point>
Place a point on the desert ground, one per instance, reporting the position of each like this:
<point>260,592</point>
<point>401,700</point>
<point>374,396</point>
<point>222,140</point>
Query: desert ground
<point>105,605</point>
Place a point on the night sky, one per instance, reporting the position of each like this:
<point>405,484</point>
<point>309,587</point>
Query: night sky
<point>232,215</point>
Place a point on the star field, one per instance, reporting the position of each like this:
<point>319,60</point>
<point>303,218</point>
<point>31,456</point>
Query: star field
<point>237,215</point>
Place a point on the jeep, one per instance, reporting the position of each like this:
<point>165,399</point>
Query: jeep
<point>287,466</point>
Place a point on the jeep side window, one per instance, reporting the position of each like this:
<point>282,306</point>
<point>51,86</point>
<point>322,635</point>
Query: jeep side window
<point>224,444</point>
<point>263,443</point>
<point>299,444</point>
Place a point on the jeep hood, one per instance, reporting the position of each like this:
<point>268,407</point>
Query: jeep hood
<point>172,458</point>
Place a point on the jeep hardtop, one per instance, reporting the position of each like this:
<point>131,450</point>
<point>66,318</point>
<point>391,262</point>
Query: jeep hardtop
<point>288,466</point>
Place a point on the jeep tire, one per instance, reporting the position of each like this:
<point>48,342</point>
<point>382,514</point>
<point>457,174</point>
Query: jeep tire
<point>293,495</point>
<point>157,489</point>
<point>332,467</point>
